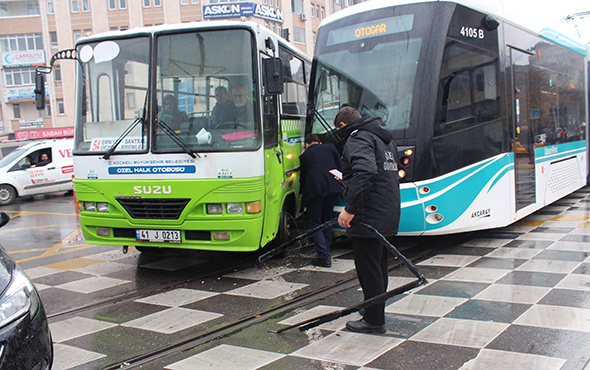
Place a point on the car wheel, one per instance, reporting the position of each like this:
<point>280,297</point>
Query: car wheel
<point>7,194</point>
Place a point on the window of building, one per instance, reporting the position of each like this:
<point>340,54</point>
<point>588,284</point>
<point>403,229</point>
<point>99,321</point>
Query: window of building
<point>312,10</point>
<point>61,108</point>
<point>114,28</point>
<point>297,6</point>
<point>16,110</point>
<point>112,4</point>
<point>75,6</point>
<point>194,1</point>
<point>33,8</point>
<point>3,10</point>
<point>50,7</point>
<point>147,3</point>
<point>299,35</point>
<point>270,2</point>
<point>57,72</point>
<point>183,2</point>
<point>22,42</point>
<point>123,28</point>
<point>85,5</point>
<point>157,2</point>
<point>19,76</point>
<point>130,100</point>
<point>87,32</point>
<point>323,12</point>
<point>122,4</point>
<point>278,2</point>
<point>53,39</point>
<point>77,35</point>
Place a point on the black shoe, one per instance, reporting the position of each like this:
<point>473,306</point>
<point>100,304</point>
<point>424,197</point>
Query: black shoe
<point>361,326</point>
<point>322,263</point>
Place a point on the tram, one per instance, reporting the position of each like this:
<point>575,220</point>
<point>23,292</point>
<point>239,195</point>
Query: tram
<point>188,136</point>
<point>490,118</point>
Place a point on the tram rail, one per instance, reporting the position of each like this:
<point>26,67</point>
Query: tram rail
<point>414,253</point>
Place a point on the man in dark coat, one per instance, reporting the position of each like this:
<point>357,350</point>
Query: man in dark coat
<point>319,191</point>
<point>370,190</point>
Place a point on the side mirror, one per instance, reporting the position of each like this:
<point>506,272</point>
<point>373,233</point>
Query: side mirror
<point>4,218</point>
<point>40,90</point>
<point>273,75</point>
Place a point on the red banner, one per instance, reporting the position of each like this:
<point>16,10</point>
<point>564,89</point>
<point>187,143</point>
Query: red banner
<point>47,133</point>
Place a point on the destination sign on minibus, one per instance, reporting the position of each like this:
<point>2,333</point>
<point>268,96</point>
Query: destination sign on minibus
<point>379,27</point>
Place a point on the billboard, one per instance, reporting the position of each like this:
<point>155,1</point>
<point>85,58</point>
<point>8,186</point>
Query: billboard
<point>236,10</point>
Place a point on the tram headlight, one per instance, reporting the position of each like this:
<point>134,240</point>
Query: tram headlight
<point>214,208</point>
<point>401,174</point>
<point>254,207</point>
<point>102,207</point>
<point>235,208</point>
<point>90,206</point>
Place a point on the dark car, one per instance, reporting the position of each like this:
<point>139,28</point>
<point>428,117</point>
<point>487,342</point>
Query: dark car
<point>25,340</point>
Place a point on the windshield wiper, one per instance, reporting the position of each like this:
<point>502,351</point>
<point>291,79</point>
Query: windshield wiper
<point>323,122</point>
<point>177,139</point>
<point>130,128</point>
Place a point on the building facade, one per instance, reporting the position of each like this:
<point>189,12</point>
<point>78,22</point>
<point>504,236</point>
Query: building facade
<point>31,31</point>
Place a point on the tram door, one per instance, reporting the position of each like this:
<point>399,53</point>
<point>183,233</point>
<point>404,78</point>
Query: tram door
<point>523,143</point>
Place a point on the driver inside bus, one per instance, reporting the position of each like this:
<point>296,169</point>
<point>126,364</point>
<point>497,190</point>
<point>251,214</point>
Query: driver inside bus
<point>224,110</point>
<point>243,113</point>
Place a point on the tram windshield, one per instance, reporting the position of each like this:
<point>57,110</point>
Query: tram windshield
<point>370,66</point>
<point>202,98</point>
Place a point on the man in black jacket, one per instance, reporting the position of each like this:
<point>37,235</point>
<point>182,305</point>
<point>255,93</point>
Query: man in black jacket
<point>370,190</point>
<point>319,191</point>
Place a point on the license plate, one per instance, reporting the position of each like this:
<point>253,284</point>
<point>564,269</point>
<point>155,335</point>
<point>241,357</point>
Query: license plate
<point>172,236</point>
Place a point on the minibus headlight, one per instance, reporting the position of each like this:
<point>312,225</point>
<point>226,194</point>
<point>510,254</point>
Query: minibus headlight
<point>102,207</point>
<point>235,208</point>
<point>103,231</point>
<point>214,208</point>
<point>221,236</point>
<point>254,207</point>
<point>90,206</point>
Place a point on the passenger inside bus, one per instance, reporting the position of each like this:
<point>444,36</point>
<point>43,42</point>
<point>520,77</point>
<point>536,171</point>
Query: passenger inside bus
<point>171,115</point>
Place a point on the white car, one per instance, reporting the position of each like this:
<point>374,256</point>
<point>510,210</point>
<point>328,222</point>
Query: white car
<point>36,168</point>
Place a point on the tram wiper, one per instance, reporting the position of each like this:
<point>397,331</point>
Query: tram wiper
<point>177,139</point>
<point>130,128</point>
<point>323,122</point>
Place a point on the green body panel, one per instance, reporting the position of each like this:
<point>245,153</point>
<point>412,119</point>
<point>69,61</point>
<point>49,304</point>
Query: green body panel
<point>245,229</point>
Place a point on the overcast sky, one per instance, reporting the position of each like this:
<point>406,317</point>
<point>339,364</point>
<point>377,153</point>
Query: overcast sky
<point>538,14</point>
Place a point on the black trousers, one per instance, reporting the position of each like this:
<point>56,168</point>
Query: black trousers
<point>370,260</point>
<point>319,210</point>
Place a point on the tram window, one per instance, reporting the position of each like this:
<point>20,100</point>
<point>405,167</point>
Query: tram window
<point>467,92</point>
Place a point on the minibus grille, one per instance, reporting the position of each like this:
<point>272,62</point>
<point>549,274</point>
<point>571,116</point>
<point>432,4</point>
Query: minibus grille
<point>154,209</point>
